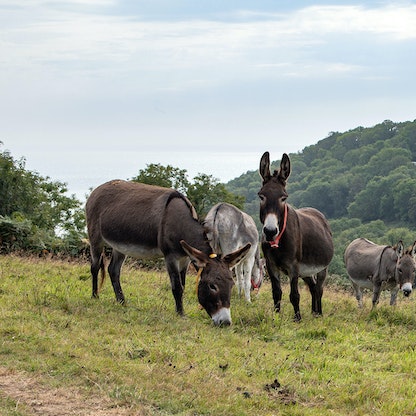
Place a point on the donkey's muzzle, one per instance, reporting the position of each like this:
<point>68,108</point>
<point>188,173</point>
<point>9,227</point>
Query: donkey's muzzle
<point>407,289</point>
<point>270,233</point>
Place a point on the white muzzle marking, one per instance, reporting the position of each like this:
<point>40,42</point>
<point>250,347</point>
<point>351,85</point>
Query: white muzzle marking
<point>222,317</point>
<point>271,223</point>
<point>407,288</point>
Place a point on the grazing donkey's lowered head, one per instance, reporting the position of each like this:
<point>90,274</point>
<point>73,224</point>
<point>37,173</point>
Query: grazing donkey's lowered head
<point>216,282</point>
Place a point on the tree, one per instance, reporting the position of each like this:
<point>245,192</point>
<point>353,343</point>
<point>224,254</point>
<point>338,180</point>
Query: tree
<point>166,176</point>
<point>366,205</point>
<point>34,211</point>
<point>404,198</point>
<point>206,191</point>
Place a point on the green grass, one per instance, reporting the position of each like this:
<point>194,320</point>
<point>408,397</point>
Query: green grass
<point>143,356</point>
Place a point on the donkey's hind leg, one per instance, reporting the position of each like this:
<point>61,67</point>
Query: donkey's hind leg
<point>239,275</point>
<point>316,287</point>
<point>358,293</point>
<point>320,281</point>
<point>97,263</point>
<point>311,282</point>
<point>243,273</point>
<point>248,265</point>
<point>117,260</point>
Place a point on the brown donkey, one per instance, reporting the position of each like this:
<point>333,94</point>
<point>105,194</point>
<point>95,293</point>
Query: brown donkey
<point>296,242</point>
<point>142,221</point>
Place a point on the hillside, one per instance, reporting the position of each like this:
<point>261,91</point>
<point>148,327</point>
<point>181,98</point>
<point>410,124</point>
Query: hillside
<point>363,180</point>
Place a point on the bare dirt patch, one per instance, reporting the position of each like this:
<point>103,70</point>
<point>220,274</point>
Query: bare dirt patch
<point>30,392</point>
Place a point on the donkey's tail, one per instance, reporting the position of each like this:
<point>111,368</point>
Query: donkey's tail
<point>210,224</point>
<point>102,271</point>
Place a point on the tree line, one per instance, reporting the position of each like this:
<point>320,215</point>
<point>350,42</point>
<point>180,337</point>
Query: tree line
<point>363,180</point>
<point>37,215</point>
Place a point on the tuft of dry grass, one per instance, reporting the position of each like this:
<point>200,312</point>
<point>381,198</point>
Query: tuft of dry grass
<point>144,359</point>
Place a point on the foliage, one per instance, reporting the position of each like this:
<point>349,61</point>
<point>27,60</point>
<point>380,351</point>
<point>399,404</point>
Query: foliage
<point>204,192</point>
<point>143,359</point>
<point>365,173</point>
<point>165,176</point>
<point>34,211</point>
<point>363,180</point>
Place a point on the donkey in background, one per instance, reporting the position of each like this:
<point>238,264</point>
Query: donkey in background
<point>380,267</point>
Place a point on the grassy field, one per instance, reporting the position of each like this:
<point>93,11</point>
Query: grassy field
<point>142,359</point>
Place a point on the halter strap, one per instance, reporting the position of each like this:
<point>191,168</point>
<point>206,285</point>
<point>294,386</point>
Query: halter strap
<point>255,286</point>
<point>198,278</point>
<point>275,242</point>
<point>198,275</point>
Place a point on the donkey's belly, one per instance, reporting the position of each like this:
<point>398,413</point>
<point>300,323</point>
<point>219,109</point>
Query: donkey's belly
<point>135,250</point>
<point>363,283</point>
<point>368,283</point>
<point>307,270</point>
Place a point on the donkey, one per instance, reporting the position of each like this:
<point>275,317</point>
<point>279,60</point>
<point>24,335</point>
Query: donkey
<point>380,267</point>
<point>296,242</point>
<point>229,228</point>
<point>140,221</point>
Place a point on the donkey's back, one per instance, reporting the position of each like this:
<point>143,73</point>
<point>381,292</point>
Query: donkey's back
<point>128,217</point>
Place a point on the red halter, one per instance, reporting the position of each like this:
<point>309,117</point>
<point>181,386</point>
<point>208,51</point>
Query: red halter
<point>275,242</point>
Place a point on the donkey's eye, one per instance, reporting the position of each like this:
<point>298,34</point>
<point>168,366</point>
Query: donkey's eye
<point>262,197</point>
<point>284,198</point>
<point>213,287</point>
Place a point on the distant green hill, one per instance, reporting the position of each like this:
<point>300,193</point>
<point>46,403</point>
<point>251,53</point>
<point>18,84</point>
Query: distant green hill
<point>363,180</point>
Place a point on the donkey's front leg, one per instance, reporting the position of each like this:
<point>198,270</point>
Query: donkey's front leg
<point>376,293</point>
<point>274,275</point>
<point>176,285</point>
<point>393,296</point>
<point>276,290</point>
<point>295,297</point>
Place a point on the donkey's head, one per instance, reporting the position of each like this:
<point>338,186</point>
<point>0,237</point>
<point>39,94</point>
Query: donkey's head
<point>273,196</point>
<point>216,282</point>
<point>405,267</point>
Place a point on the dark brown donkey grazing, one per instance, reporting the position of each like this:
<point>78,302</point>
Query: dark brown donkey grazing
<point>296,242</point>
<point>142,221</point>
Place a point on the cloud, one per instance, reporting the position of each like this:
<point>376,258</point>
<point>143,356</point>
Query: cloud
<point>87,56</point>
<point>48,35</point>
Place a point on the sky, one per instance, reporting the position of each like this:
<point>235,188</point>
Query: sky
<point>92,90</point>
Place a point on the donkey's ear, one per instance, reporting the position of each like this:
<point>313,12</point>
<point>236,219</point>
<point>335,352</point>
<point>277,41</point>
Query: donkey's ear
<point>264,169</point>
<point>234,258</point>
<point>413,250</point>
<point>197,256</point>
<point>400,248</point>
<point>284,171</point>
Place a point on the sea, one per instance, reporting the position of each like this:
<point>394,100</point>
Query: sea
<point>82,172</point>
